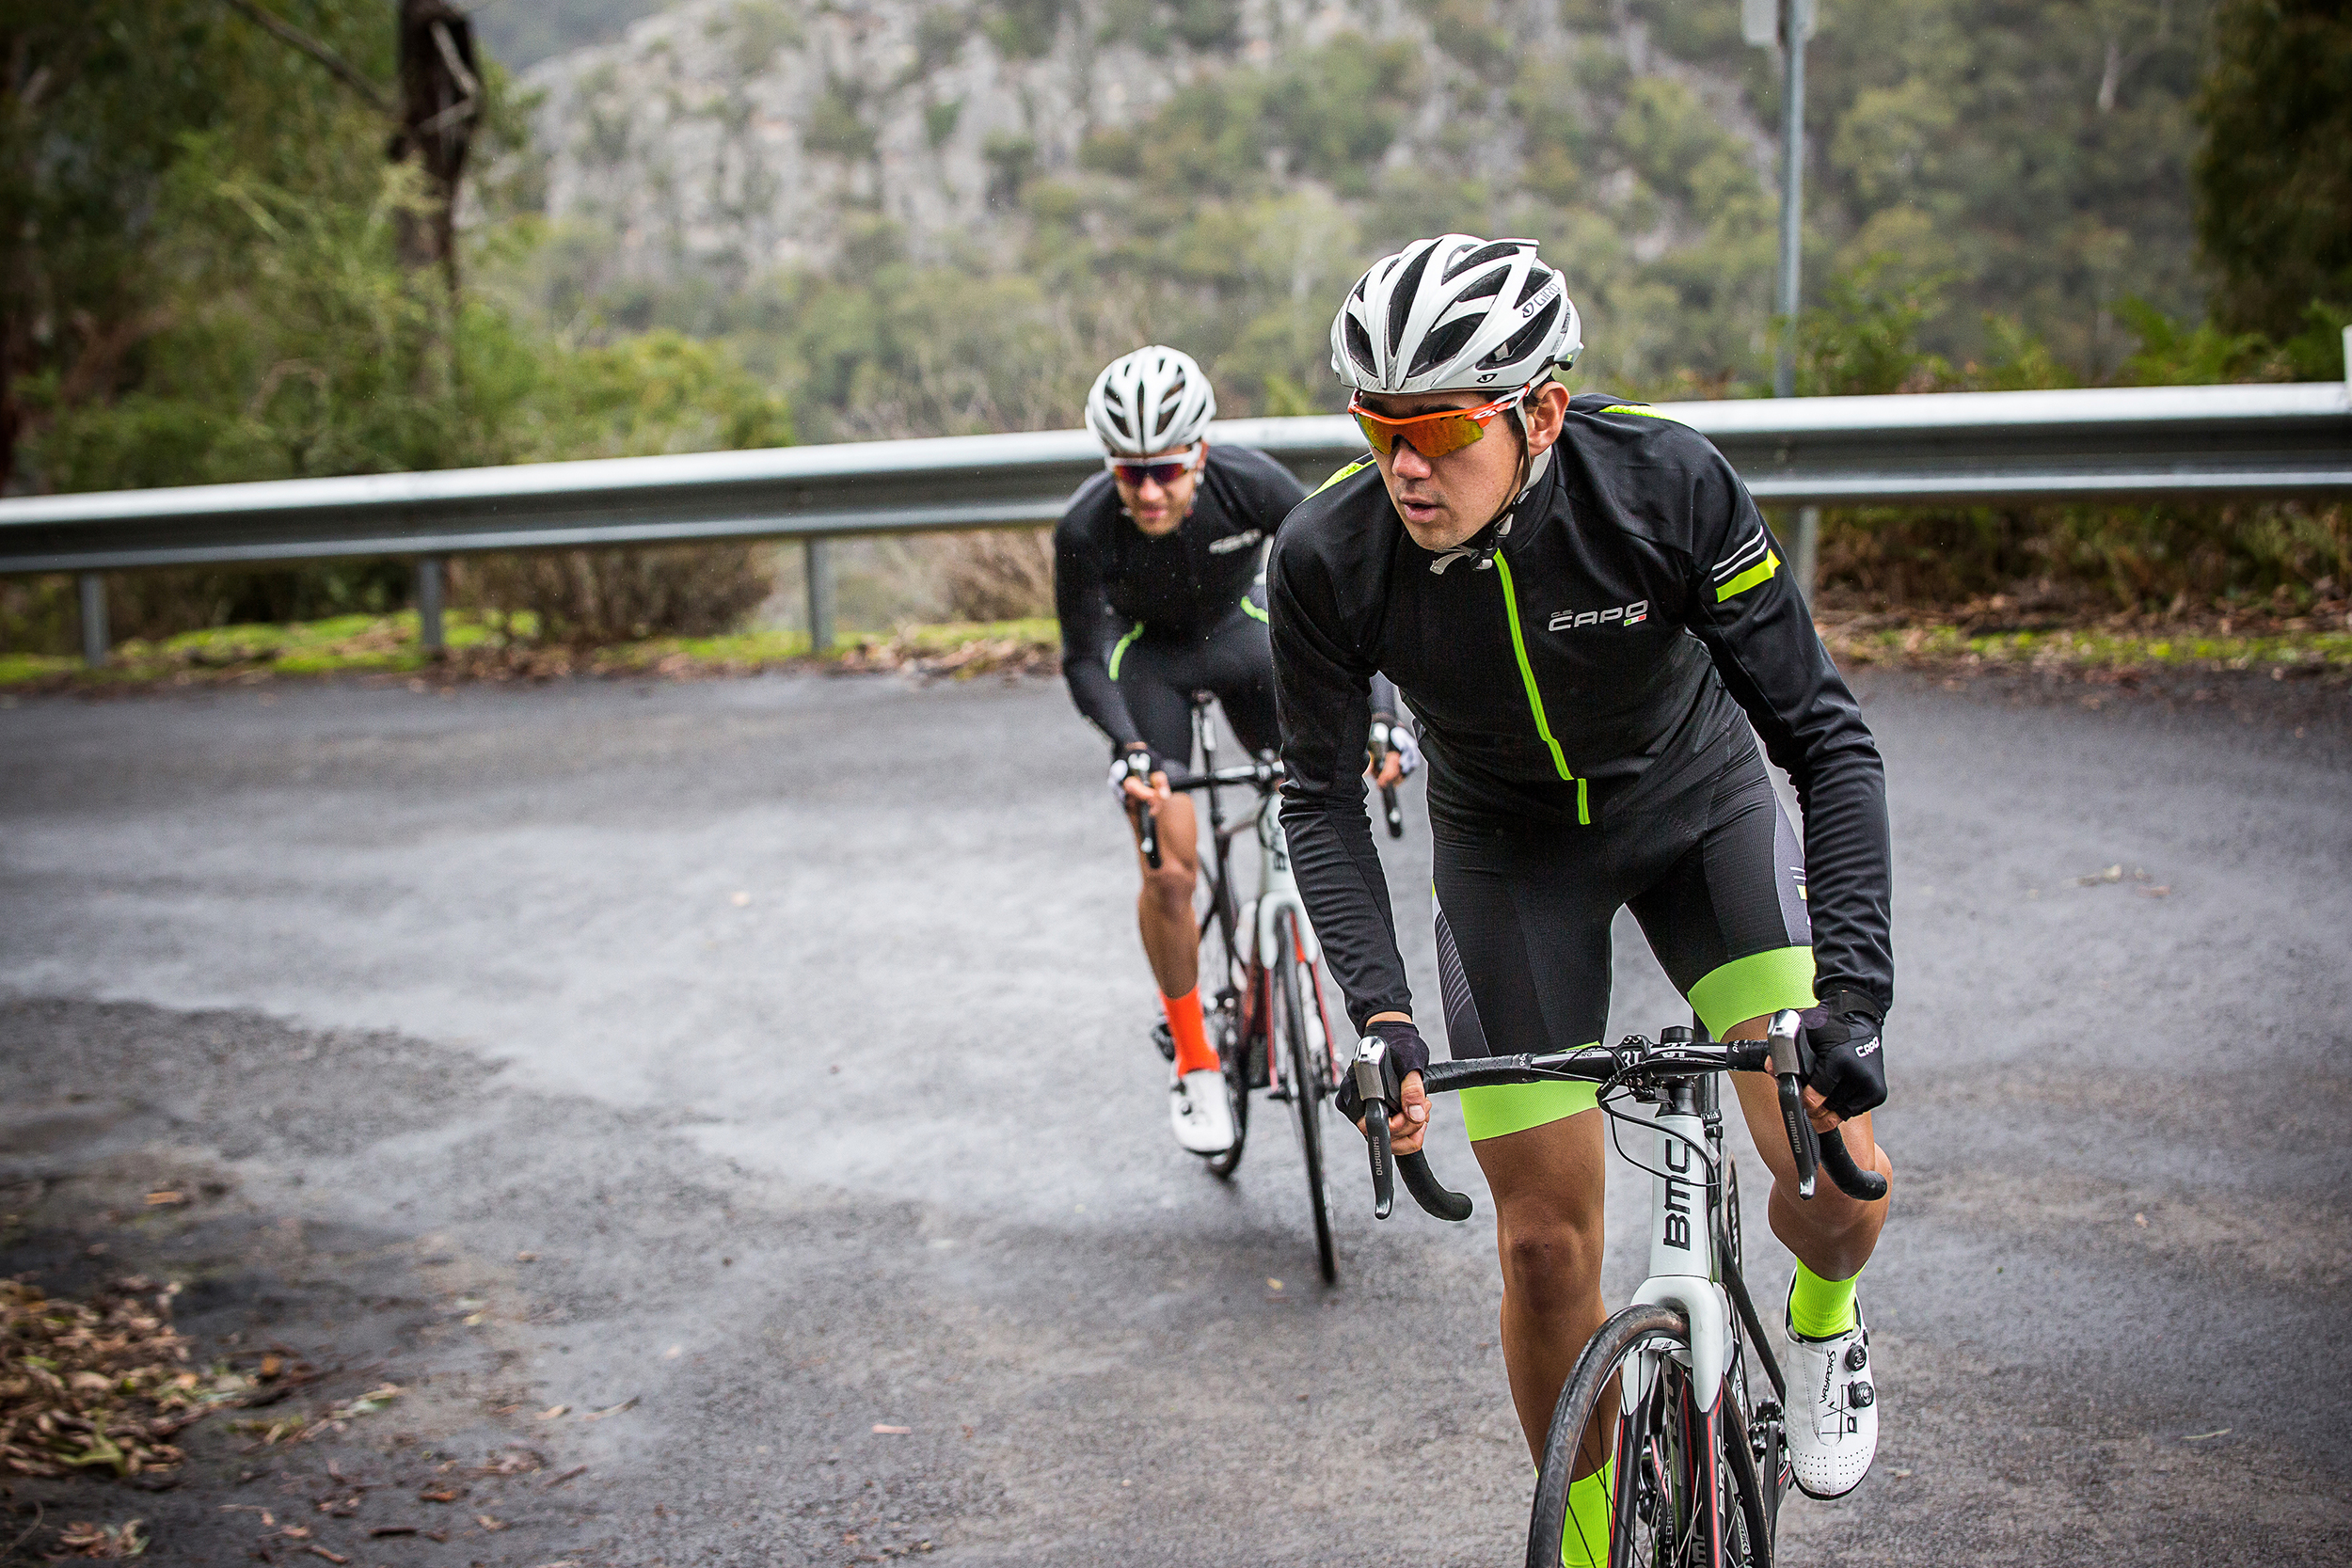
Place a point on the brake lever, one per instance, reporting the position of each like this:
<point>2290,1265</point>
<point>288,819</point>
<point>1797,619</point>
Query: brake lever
<point>1788,1071</point>
<point>1376,1088</point>
<point>1395,812</point>
<point>1147,828</point>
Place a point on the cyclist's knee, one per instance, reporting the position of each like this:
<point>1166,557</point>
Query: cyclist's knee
<point>1171,882</point>
<point>1550,1260</point>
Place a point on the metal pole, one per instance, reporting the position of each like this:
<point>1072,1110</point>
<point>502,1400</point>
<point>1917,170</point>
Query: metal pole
<point>817,557</point>
<point>1791,191</point>
<point>430,583</point>
<point>95,639</point>
<point>1808,551</point>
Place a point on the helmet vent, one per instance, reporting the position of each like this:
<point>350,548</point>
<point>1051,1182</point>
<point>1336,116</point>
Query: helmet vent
<point>1500,250</point>
<point>1445,342</point>
<point>1403,292</point>
<point>1527,339</point>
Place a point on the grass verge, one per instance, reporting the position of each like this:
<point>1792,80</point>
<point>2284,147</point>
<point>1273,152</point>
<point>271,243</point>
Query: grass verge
<point>386,647</point>
<point>478,649</point>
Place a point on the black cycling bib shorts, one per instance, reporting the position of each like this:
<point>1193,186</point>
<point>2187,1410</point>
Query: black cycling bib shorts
<point>1157,675</point>
<point>1716,879</point>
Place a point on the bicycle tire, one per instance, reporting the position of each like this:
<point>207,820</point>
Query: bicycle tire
<point>1307,1088</point>
<point>1653,1515</point>
<point>1232,1056</point>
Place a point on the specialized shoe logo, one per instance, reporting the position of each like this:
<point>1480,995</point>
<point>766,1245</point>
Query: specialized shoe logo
<point>1625,614</point>
<point>1233,542</point>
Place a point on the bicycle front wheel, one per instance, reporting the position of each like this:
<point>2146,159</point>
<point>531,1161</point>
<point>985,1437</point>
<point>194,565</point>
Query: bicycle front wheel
<point>1682,1498</point>
<point>1303,1062</point>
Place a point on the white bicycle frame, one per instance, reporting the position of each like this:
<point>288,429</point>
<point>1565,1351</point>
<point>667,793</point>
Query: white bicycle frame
<point>1684,1271</point>
<point>1278,890</point>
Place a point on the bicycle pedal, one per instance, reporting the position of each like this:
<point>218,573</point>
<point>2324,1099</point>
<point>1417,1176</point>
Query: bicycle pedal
<point>1165,1039</point>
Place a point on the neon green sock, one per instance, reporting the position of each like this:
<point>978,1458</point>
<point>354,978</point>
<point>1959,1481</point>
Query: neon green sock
<point>1584,1539</point>
<point>1820,1308</point>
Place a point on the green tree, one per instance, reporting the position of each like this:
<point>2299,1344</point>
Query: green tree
<point>2274,177</point>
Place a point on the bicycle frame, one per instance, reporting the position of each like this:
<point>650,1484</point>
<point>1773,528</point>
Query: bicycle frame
<point>1693,1271</point>
<point>1686,1254</point>
<point>1277,893</point>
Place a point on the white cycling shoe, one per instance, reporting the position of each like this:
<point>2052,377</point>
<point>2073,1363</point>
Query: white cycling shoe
<point>1834,1409</point>
<point>1200,1112</point>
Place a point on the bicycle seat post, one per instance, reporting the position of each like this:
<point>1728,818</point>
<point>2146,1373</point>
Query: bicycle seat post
<point>1204,736</point>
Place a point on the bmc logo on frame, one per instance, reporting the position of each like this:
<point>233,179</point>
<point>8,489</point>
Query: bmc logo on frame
<point>1625,614</point>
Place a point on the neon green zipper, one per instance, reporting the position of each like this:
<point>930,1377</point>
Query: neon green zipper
<point>1119,652</point>
<point>1536,698</point>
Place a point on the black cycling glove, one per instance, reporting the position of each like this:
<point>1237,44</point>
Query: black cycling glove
<point>1408,1052</point>
<point>1839,1048</point>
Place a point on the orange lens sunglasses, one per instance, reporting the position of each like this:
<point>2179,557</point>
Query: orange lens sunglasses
<point>1430,435</point>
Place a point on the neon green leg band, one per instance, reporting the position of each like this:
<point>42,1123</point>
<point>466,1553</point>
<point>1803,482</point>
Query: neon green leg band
<point>1490,1112</point>
<point>1820,1308</point>
<point>1754,987</point>
<point>1585,1538</point>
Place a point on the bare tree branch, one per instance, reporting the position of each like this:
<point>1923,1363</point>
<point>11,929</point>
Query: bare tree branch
<point>342,69</point>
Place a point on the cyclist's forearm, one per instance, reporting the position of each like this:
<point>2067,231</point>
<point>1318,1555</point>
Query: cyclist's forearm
<point>1098,697</point>
<point>1848,860</point>
<point>1347,894</point>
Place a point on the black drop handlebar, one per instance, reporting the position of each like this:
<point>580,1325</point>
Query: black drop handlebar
<point>1636,1062</point>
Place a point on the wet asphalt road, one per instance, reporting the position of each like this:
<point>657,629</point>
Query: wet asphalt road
<point>795,1028</point>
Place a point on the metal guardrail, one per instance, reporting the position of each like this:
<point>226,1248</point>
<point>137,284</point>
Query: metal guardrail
<point>1952,448</point>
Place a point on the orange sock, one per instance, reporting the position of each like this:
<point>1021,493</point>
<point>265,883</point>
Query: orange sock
<point>1193,1051</point>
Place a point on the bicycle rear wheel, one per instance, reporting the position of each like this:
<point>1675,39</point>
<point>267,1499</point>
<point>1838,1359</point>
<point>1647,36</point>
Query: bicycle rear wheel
<point>1296,1051</point>
<point>1682,1498</point>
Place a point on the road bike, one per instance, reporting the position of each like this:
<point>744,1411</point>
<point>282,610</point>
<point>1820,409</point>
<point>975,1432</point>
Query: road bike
<point>1269,1011</point>
<point>1702,1457</point>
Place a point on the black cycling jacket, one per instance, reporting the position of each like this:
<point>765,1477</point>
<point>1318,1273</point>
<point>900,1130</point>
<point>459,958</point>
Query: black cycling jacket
<point>1596,665</point>
<point>1111,581</point>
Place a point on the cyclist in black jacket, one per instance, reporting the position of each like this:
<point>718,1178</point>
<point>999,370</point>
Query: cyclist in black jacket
<point>1586,613</point>
<point>1159,580</point>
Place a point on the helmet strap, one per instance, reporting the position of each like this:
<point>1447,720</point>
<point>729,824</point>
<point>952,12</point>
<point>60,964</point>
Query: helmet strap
<point>1530,473</point>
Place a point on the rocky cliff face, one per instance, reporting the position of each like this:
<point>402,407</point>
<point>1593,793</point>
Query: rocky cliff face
<point>739,137</point>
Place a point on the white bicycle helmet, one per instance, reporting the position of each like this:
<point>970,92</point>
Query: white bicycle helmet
<point>1152,401</point>
<point>1455,313</point>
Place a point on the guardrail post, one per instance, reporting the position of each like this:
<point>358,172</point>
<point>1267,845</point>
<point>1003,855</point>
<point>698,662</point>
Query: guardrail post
<point>95,639</point>
<point>817,558</point>
<point>1806,549</point>
<point>431,584</point>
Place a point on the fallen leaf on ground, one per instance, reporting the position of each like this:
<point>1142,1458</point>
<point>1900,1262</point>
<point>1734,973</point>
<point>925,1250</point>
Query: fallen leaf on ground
<point>331,1557</point>
<point>2112,874</point>
<point>572,1474</point>
<point>892,1432</point>
<point>551,1412</point>
<point>2200,1437</point>
<point>392,1530</point>
<point>487,1523</point>
<point>82,1539</point>
<point>514,1460</point>
<point>164,1198</point>
<point>610,1410</point>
